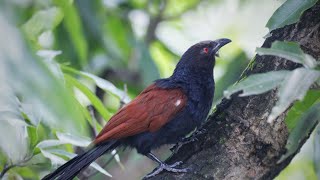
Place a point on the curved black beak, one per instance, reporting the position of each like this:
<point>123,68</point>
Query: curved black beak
<point>217,44</point>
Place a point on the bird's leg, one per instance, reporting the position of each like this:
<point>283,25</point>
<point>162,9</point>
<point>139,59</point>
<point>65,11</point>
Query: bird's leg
<point>163,166</point>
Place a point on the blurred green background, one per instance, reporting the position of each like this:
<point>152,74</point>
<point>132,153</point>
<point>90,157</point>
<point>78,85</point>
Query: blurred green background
<point>53,51</point>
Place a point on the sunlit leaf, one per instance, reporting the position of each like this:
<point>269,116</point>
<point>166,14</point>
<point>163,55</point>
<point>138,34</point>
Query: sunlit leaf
<point>35,83</point>
<point>303,128</point>
<point>96,102</point>
<point>316,151</point>
<point>290,51</point>
<point>72,139</point>
<point>257,83</point>
<point>294,87</point>
<point>41,21</point>
<point>289,13</point>
<point>49,143</point>
<point>102,83</point>
<point>55,160</point>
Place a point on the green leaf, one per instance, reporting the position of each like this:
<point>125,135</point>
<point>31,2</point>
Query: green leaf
<point>257,83</point>
<point>49,143</point>
<point>290,51</point>
<point>72,139</point>
<point>93,98</point>
<point>31,78</point>
<point>55,160</point>
<point>13,134</point>
<point>117,158</point>
<point>102,83</point>
<point>33,136</point>
<point>72,23</point>
<point>92,121</point>
<point>316,151</point>
<point>294,87</point>
<point>302,130</point>
<point>41,21</point>
<point>72,155</point>
<point>289,13</point>
<point>301,107</point>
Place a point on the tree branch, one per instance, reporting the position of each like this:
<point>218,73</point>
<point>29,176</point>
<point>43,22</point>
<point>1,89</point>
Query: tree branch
<point>6,169</point>
<point>238,142</point>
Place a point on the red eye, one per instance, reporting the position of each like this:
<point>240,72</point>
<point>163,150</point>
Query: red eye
<point>205,50</point>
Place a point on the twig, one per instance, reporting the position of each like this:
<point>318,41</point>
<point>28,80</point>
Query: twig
<point>6,169</point>
<point>94,120</point>
<point>154,21</point>
<point>125,89</point>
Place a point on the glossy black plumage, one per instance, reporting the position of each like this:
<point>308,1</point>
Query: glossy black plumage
<point>148,121</point>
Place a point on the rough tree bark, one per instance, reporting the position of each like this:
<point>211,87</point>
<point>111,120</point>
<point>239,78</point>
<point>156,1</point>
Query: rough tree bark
<point>238,142</point>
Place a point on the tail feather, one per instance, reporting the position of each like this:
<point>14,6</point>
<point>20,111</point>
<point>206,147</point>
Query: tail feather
<point>71,168</point>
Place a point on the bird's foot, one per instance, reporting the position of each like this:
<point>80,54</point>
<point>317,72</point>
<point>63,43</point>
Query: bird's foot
<point>167,167</point>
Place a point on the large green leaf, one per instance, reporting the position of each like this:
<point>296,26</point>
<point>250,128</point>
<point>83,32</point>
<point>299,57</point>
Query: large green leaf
<point>96,102</point>
<point>49,143</point>
<point>13,134</point>
<point>294,87</point>
<point>73,24</point>
<point>73,139</point>
<point>316,151</point>
<point>31,78</point>
<point>289,13</point>
<point>302,130</point>
<point>290,51</point>
<point>102,83</point>
<point>55,160</point>
<point>32,136</point>
<point>41,21</point>
<point>257,83</point>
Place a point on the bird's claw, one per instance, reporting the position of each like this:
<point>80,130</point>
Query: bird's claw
<point>175,164</point>
<point>167,167</point>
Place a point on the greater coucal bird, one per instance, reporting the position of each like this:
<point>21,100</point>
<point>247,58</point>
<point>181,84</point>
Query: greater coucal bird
<point>164,113</point>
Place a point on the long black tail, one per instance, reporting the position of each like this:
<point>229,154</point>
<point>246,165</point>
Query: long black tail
<point>71,168</point>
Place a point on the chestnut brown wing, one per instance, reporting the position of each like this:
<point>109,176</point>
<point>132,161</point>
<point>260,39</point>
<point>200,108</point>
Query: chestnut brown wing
<point>149,111</point>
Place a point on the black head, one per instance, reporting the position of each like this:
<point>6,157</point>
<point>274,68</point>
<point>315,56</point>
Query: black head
<point>200,56</point>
